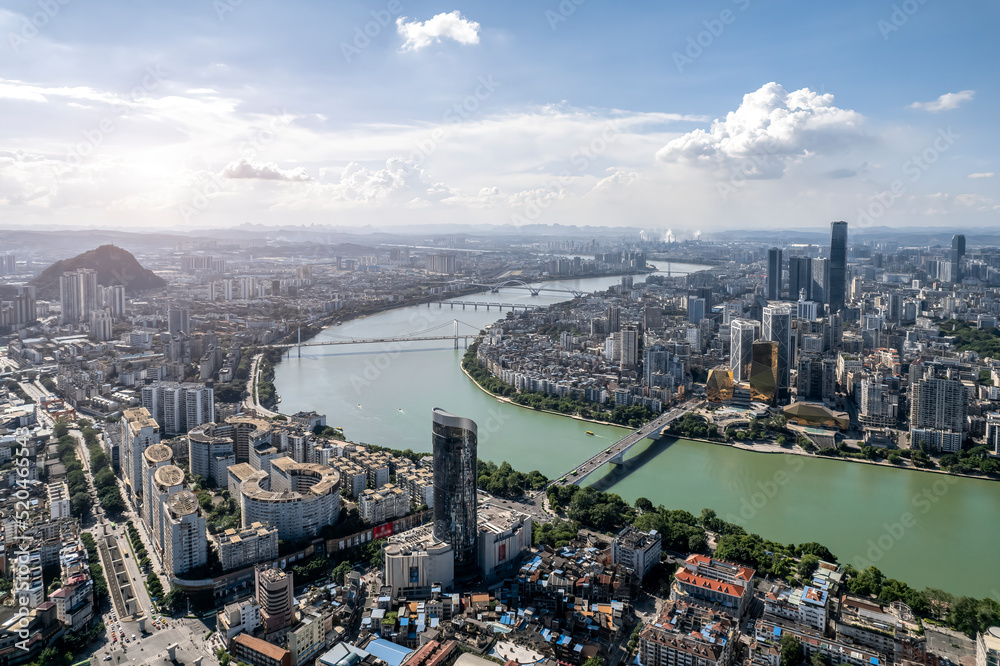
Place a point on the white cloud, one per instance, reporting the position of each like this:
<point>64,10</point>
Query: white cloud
<point>945,102</point>
<point>401,181</point>
<point>770,129</point>
<point>451,25</point>
<point>984,174</point>
<point>246,168</point>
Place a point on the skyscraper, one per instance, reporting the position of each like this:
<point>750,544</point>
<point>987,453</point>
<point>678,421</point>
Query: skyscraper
<point>742,334</point>
<point>630,348</point>
<point>696,309</point>
<point>178,321</point>
<point>764,372</point>
<point>799,277</point>
<point>778,328</point>
<point>957,253</point>
<point>774,274</point>
<point>455,445</point>
<point>821,281</point>
<point>614,314</point>
<point>77,295</point>
<point>838,266</point>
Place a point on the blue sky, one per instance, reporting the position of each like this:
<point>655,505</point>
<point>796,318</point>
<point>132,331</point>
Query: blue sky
<point>728,113</point>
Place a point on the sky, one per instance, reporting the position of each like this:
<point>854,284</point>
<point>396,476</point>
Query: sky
<point>720,114</point>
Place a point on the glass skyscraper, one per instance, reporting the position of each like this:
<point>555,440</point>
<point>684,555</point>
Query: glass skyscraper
<point>838,266</point>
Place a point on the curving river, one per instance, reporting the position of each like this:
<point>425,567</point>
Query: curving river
<point>927,529</point>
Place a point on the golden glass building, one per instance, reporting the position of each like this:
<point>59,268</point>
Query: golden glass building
<point>764,372</point>
<point>719,386</point>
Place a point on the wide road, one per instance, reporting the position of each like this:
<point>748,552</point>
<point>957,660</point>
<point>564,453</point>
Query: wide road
<point>252,402</point>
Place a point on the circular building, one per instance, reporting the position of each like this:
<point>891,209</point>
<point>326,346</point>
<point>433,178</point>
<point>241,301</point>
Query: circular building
<point>298,499</point>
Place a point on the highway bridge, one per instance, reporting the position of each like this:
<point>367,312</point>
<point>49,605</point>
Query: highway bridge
<point>615,454</point>
<point>533,289</point>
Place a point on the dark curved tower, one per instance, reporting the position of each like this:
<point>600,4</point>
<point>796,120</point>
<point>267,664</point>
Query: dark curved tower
<point>838,266</point>
<point>455,449</point>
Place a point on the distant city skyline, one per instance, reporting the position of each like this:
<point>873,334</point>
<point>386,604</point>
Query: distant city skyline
<point>741,115</point>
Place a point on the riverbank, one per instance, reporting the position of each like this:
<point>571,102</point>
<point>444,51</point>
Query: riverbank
<point>508,401</point>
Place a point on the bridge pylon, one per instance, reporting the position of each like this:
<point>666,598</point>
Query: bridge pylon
<point>455,323</point>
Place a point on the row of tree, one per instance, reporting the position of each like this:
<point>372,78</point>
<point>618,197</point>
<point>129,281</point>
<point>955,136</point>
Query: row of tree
<point>505,481</point>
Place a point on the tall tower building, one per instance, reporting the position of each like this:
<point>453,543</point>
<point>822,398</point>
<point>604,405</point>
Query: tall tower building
<point>957,253</point>
<point>742,334</point>
<point>774,274</point>
<point>78,295</point>
<point>455,441</point>
<point>764,372</point>
<point>629,348</point>
<point>799,277</point>
<point>778,328</point>
<point>275,595</point>
<point>178,321</point>
<point>614,314</point>
<point>821,281</point>
<point>838,265</point>
<point>697,308</point>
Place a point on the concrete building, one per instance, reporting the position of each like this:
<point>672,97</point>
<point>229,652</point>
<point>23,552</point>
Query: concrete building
<point>179,408</point>
<point>415,561</point>
<point>707,580</point>
<point>77,295</point>
<point>239,617</point>
<point>455,498</point>
<point>988,647</point>
<point>938,404</point>
<point>274,591</point>
<point>58,496</point>
<point>805,605</point>
<point>386,503</point>
<point>139,432</point>
<point>211,450</point>
<point>298,499</point>
<point>243,548</point>
<point>253,651</point>
<point>800,278</point>
<point>185,541</point>
<point>504,537</point>
<point>689,635</point>
<point>639,551</point>
<point>155,457</point>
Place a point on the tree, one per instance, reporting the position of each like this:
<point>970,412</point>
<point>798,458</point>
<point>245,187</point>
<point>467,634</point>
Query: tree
<point>594,661</point>
<point>644,505</point>
<point>807,565</point>
<point>819,659</point>
<point>791,650</point>
<point>60,428</point>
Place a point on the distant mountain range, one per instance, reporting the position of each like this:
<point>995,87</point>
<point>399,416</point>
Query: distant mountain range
<point>113,265</point>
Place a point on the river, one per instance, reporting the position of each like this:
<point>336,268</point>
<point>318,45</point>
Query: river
<point>927,529</point>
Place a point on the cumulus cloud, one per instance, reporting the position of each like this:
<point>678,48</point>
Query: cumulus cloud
<point>770,128</point>
<point>946,102</point>
<point>451,25</point>
<point>245,168</point>
<point>983,174</point>
<point>400,181</point>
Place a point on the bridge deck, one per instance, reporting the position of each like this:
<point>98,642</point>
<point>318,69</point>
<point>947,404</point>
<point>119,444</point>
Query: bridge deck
<point>616,452</point>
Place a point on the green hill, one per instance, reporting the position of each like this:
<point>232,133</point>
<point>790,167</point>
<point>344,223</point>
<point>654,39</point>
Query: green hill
<point>113,265</point>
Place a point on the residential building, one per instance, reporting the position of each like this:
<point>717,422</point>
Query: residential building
<point>256,652</point>
<point>246,547</point>
<point>274,591</point>
<point>639,551</point>
<point>689,635</point>
<point>702,579</point>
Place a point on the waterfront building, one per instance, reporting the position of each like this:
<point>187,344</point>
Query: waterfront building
<point>706,580</point>
<point>719,385</point>
<point>455,444</point>
<point>764,372</point>
<point>777,327</point>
